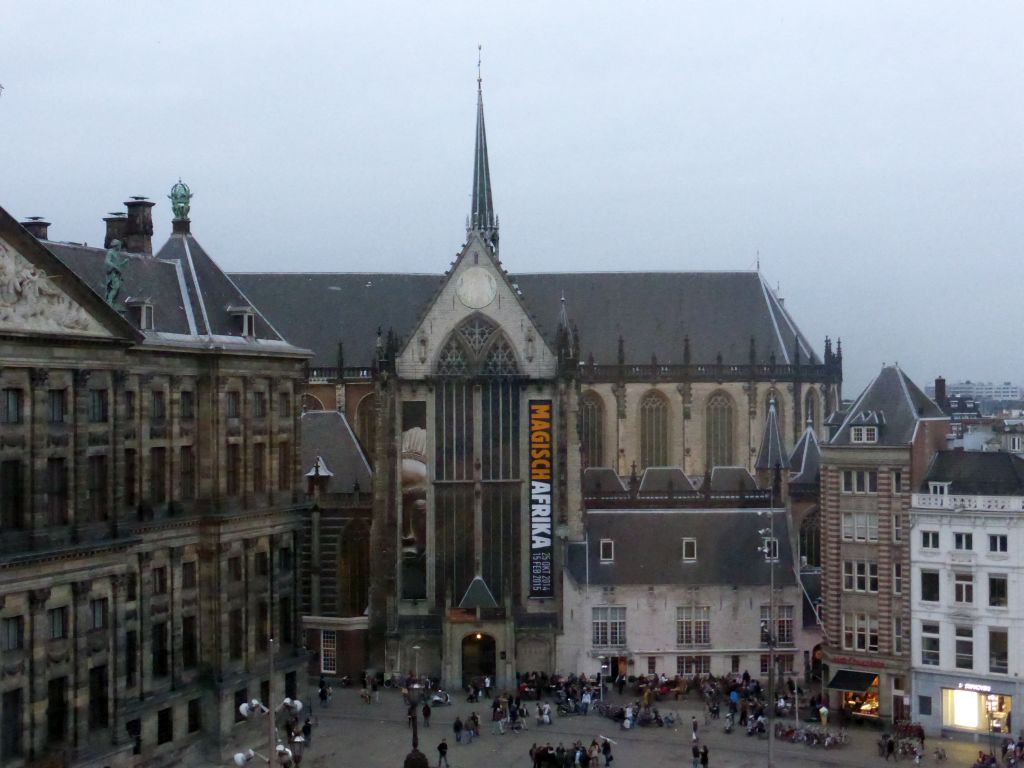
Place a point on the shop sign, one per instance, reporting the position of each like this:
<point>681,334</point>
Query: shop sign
<point>979,687</point>
<point>847,661</point>
<point>541,484</point>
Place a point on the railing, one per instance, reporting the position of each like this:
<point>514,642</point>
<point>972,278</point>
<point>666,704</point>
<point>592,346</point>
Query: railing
<point>708,372</point>
<point>321,374</point>
<point>970,503</point>
<point>677,500</point>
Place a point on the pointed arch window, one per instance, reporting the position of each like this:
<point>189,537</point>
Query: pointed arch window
<point>500,360</point>
<point>653,431</point>
<point>719,437</point>
<point>591,429</point>
<point>476,332</point>
<point>453,360</point>
<point>477,348</point>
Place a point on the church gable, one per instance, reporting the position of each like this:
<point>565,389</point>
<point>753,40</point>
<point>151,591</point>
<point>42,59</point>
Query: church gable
<point>476,325</point>
<point>35,295</point>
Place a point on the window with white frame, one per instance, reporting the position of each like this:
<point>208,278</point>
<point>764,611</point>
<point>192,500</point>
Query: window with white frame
<point>963,541</point>
<point>930,586</point>
<point>689,550</point>
<point>998,650</point>
<point>963,587</point>
<point>328,651</point>
<point>998,542</point>
<point>929,539</point>
<point>770,548</point>
<point>896,478</point>
<point>860,526</point>
<point>864,435</point>
<point>607,550</point>
<point>897,634</point>
<point>783,663</point>
<point>860,631</point>
<point>860,576</point>
<point>897,526</point>
<point>938,489</point>
<point>964,650</point>
<point>998,590</point>
<point>609,625</point>
<point>930,644</point>
<point>693,625</point>
<point>1016,443</point>
<point>897,578</point>
<point>693,665</point>
<point>783,624</point>
<point>860,481</point>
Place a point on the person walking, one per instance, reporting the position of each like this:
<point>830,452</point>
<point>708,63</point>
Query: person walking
<point>606,750</point>
<point>695,753</point>
<point>457,729</point>
<point>487,686</point>
<point>307,731</point>
<point>375,690</point>
<point>585,701</point>
<point>704,756</point>
<point>890,748</point>
<point>442,753</point>
<point>426,715</point>
<point>693,726</point>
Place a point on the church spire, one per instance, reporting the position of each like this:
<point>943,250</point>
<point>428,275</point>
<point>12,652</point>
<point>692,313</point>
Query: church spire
<point>481,216</point>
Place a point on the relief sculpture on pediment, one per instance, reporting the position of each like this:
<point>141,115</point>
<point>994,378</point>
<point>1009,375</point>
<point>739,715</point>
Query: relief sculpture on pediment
<point>31,300</point>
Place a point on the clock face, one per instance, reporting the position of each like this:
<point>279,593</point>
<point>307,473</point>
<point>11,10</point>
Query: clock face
<point>477,288</point>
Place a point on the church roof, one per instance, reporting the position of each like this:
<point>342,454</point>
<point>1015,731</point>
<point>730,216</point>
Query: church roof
<point>653,311</point>
<point>771,452</point>
<point>328,440</point>
<point>805,463</point>
<point>892,403</point>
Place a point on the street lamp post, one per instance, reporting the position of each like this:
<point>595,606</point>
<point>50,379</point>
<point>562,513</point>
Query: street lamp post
<point>416,662</point>
<point>768,627</point>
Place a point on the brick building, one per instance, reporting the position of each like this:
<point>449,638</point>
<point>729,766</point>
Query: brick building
<point>149,455</point>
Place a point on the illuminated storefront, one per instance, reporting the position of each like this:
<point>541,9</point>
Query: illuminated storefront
<point>858,692</point>
<point>974,707</point>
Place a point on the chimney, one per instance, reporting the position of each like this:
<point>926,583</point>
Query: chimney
<point>116,223</point>
<point>138,231</point>
<point>940,393</point>
<point>36,227</point>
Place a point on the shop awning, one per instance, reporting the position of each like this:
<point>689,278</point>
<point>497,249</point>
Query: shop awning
<point>849,680</point>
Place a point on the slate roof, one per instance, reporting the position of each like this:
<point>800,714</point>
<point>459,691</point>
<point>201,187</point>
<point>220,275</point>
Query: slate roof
<point>977,473</point>
<point>602,480</point>
<point>729,479</point>
<point>805,463</point>
<point>327,435</point>
<point>771,452</point>
<point>648,548</point>
<point>664,479</point>
<point>894,404</point>
<point>653,311</point>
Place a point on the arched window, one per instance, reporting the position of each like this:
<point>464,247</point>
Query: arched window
<point>591,429</point>
<point>719,431</point>
<point>477,348</point>
<point>811,409</point>
<point>452,360</point>
<point>653,431</point>
<point>366,424</point>
<point>810,539</point>
<point>500,360</point>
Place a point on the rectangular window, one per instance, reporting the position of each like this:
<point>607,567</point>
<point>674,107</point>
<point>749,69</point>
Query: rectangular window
<point>652,665</point>
<point>929,539</point>
<point>897,634</point>
<point>99,613</point>
<point>607,550</point>
<point>99,698</point>
<point>998,590</point>
<point>56,491</point>
<point>131,657</point>
<point>158,406</point>
<point>770,548</point>
<point>241,697</point>
<point>188,574</point>
<point>609,626</point>
<point>129,404</point>
<point>938,489</point>
<point>10,406</point>
<point>235,568</point>
<point>233,404</point>
<point>860,526</point>
<point>13,637</point>
<point>189,642</point>
<point>195,715</point>
<point>58,402</point>
<point>286,618</point>
<point>860,576</point>
<point>963,587</point>
<point>864,434</point>
<point>57,710</point>
<point>930,586</point>
<point>963,541</point>
<point>12,740</point>
<point>689,550</point>
<point>259,405</point>
<point>165,726</point>
<point>785,628</point>
<point>693,665</point>
<point>259,468</point>
<point>158,475</point>
<point>284,466</point>
<point>262,625</point>
<point>99,406</point>
<point>693,625</point>
<point>188,405</point>
<point>234,469</point>
<point>998,651</point>
<point>99,498</point>
<point>235,631</point>
<point>284,405</point>
<point>187,468</point>
<point>860,632</point>
<point>262,564</point>
<point>998,542</point>
<point>160,581</point>
<point>58,623</point>
<point>859,481</point>
<point>897,482</point>
<point>159,657</point>
<point>328,651</point>
<point>12,495</point>
<point>964,648</point>
<point>284,559</point>
<point>134,730</point>
<point>930,644</point>
<point>130,483</point>
<point>897,526</point>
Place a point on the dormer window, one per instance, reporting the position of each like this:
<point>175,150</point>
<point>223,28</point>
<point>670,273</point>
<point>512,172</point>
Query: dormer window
<point>770,549</point>
<point>607,550</point>
<point>864,434</point>
<point>141,313</point>
<point>689,550</point>
<point>938,489</point>
<point>245,320</point>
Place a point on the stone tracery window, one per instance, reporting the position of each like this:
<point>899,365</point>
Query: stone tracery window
<point>477,347</point>
<point>500,360</point>
<point>591,429</point>
<point>653,431</point>
<point>452,360</point>
<point>719,431</point>
<point>476,332</point>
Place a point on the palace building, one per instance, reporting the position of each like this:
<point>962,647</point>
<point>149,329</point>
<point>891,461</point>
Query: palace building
<point>480,396</point>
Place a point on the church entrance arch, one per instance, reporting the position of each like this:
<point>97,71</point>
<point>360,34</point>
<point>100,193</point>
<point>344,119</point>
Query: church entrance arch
<point>479,658</point>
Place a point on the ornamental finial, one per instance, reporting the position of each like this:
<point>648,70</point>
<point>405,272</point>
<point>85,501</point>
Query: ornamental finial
<point>180,197</point>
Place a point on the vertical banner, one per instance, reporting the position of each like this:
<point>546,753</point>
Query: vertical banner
<point>541,466</point>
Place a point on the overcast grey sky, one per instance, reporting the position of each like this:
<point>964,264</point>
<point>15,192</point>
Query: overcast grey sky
<point>872,152</point>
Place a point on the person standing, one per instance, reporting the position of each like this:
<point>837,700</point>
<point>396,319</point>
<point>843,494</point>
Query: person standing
<point>606,750</point>
<point>457,729</point>
<point>704,756</point>
<point>426,714</point>
<point>487,686</point>
<point>585,701</point>
<point>375,690</point>
<point>693,726</point>
<point>695,753</point>
<point>442,753</point>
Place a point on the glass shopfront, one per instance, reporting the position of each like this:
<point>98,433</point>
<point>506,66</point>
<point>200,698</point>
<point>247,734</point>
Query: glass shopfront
<point>863,703</point>
<point>982,711</point>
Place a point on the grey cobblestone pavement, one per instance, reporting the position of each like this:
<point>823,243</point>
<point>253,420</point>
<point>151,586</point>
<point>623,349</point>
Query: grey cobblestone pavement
<point>350,733</point>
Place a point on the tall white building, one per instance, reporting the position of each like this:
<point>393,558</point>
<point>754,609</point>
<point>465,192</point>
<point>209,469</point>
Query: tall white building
<point>967,579</point>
